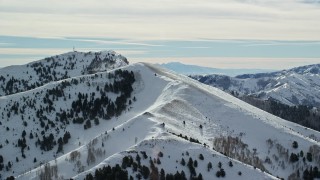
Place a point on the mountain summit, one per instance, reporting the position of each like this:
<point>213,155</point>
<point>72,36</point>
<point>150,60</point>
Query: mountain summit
<point>19,78</point>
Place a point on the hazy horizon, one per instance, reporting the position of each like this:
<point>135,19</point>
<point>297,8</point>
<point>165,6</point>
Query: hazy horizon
<point>222,34</point>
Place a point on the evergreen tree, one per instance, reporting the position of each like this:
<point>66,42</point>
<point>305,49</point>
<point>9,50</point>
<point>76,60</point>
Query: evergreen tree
<point>309,156</point>
<point>66,137</point>
<point>183,175</point>
<point>182,162</point>
<point>138,158</point>
<point>191,168</point>
<point>195,163</point>
<point>222,172</point>
<point>230,163</point>
<point>10,178</point>
<point>177,175</point>
<point>315,172</point>
<point>145,172</point>
<point>24,133</point>
<point>307,175</point>
<point>209,166</point>
<point>89,177</point>
<point>160,154</point>
<point>294,158</point>
<point>162,174</point>
<point>301,153</point>
<point>96,121</point>
<point>201,157</point>
<point>31,136</point>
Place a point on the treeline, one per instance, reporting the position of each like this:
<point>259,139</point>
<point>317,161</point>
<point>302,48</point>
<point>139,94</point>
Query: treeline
<point>45,73</point>
<point>87,107</point>
<point>142,171</point>
<point>303,115</point>
<point>82,108</point>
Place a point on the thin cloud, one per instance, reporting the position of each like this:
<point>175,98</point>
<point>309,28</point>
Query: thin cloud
<point>6,44</point>
<point>314,2</point>
<point>275,43</point>
<point>196,47</point>
<point>114,42</point>
<point>163,19</point>
<point>52,51</point>
<point>32,51</point>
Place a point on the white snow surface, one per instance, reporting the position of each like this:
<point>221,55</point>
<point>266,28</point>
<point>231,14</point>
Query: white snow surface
<point>162,97</point>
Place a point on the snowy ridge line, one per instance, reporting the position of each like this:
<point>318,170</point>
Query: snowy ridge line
<point>231,99</point>
<point>161,101</point>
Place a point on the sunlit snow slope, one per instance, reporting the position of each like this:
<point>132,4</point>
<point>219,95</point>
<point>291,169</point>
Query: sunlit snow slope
<point>171,110</point>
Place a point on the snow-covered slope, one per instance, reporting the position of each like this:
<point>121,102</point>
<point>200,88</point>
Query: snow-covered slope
<point>163,112</point>
<point>297,86</point>
<point>19,78</point>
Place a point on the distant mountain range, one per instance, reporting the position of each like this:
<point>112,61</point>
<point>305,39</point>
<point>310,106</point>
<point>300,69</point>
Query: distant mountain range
<point>92,116</point>
<point>290,94</point>
<point>200,70</point>
<point>297,86</point>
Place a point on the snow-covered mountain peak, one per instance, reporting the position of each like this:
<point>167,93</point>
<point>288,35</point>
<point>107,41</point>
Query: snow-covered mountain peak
<point>20,78</point>
<point>164,113</point>
<point>94,61</point>
<point>302,70</point>
<point>309,69</point>
<point>144,121</point>
<point>297,86</point>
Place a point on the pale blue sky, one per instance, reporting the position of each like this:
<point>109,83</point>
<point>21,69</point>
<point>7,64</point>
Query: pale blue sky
<point>226,34</point>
